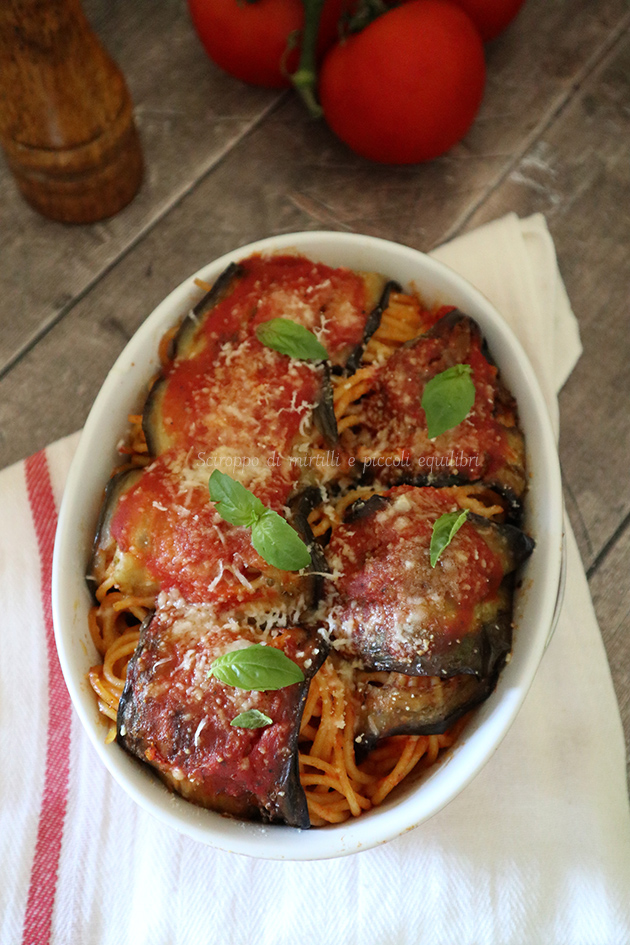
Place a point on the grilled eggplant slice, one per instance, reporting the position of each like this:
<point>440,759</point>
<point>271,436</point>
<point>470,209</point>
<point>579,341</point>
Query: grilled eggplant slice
<point>394,612</point>
<point>177,717</point>
<point>219,361</point>
<point>487,446</point>
<point>188,342</point>
<point>183,345</point>
<point>371,325</point>
<point>414,705</point>
<point>104,555</point>
<point>166,528</point>
<point>324,410</point>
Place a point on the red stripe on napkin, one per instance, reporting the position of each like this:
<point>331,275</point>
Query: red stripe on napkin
<point>43,882</point>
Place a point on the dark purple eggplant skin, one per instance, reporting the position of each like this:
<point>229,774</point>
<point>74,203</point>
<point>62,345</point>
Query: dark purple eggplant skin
<point>151,418</point>
<point>446,324</point>
<point>365,508</point>
<point>372,324</point>
<point>180,348</point>
<point>103,546</point>
<point>178,720</point>
<point>180,345</point>
<point>301,506</point>
<point>394,709</point>
<point>324,410</point>
<point>518,542</point>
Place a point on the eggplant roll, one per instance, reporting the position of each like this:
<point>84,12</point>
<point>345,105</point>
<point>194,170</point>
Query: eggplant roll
<point>390,420</point>
<point>177,717</point>
<point>226,391</point>
<point>160,530</point>
<point>388,608</point>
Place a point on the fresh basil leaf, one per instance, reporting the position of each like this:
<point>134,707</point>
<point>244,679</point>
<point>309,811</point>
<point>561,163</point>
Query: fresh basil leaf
<point>444,530</point>
<point>291,338</point>
<point>278,543</point>
<point>236,504</point>
<point>272,536</point>
<point>253,718</point>
<point>256,667</point>
<point>448,399</point>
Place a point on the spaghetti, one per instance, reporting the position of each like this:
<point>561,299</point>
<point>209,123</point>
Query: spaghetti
<point>337,783</point>
<point>336,786</point>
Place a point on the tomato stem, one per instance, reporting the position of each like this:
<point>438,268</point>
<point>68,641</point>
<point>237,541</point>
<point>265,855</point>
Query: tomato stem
<point>365,12</point>
<point>305,79</point>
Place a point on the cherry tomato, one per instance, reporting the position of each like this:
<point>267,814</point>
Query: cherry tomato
<point>490,16</point>
<point>408,86</point>
<point>249,40</point>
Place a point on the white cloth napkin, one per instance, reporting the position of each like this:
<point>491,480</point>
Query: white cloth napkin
<point>513,262</point>
<point>535,850</point>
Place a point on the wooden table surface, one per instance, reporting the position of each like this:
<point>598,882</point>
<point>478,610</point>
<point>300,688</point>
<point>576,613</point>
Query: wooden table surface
<point>228,163</point>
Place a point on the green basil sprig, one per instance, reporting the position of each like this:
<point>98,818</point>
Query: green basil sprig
<point>256,667</point>
<point>444,530</point>
<point>291,338</point>
<point>235,504</point>
<point>448,398</point>
<point>272,536</point>
<point>253,718</point>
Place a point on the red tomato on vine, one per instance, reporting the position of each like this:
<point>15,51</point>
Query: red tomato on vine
<point>490,17</point>
<point>249,40</point>
<point>408,86</point>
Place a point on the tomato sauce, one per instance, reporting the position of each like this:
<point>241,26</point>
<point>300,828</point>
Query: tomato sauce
<point>395,611</point>
<point>185,545</point>
<point>237,394</point>
<point>483,446</point>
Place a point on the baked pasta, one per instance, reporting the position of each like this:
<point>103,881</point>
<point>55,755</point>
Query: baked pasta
<point>303,568</point>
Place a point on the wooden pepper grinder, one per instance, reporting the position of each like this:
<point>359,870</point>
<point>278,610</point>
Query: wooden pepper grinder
<point>66,118</point>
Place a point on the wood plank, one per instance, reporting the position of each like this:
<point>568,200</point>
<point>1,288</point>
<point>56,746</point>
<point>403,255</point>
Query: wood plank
<point>533,69</point>
<point>611,596</point>
<point>52,387</point>
<point>578,175</point>
<point>292,173</point>
<point>188,113</point>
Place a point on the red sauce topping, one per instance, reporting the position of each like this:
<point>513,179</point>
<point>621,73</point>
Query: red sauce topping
<point>388,599</point>
<point>235,384</point>
<point>181,714</point>
<point>176,533</point>
<point>479,447</point>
